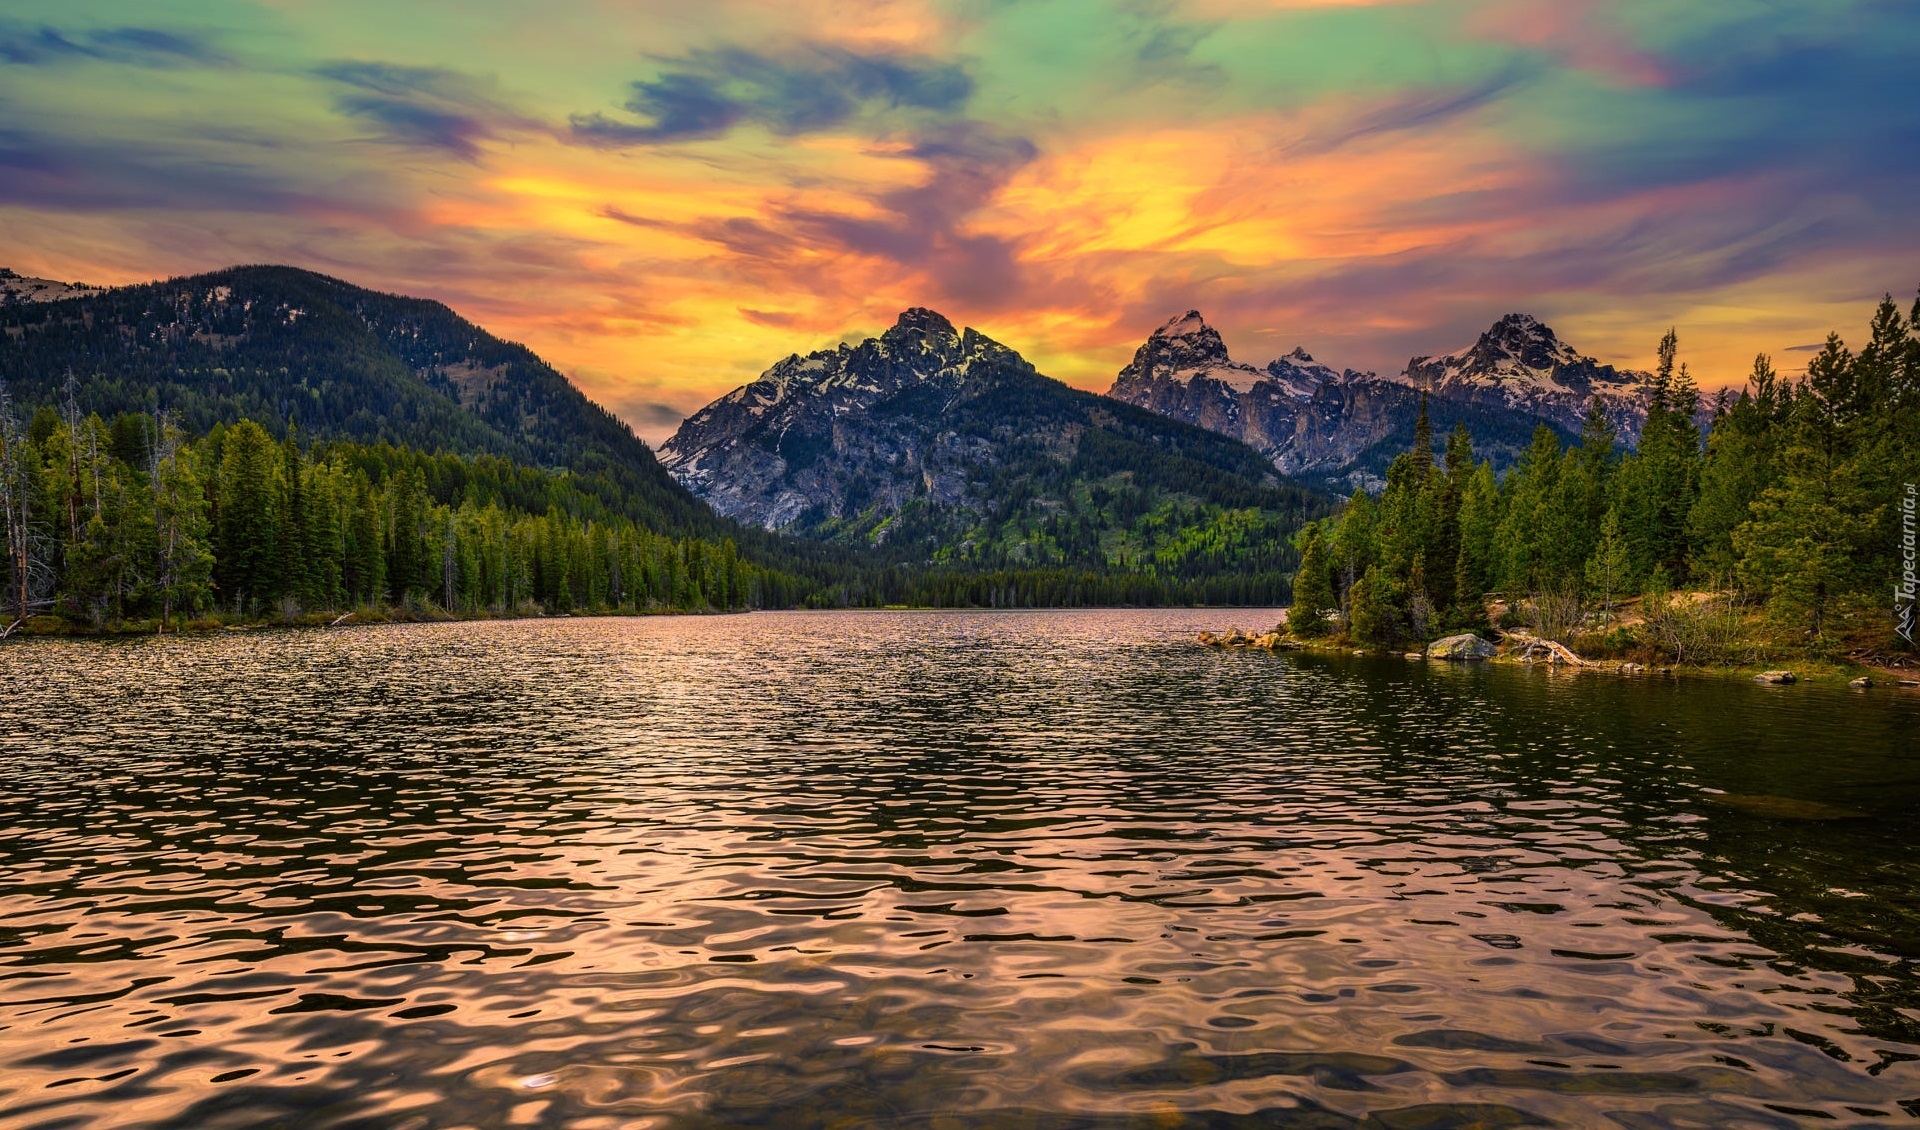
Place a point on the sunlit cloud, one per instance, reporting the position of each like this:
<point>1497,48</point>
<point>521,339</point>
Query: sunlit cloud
<point>664,199</point>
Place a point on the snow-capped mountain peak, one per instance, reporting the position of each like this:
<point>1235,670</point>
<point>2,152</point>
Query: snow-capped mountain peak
<point>1186,349</point>
<point>788,416</point>
<point>1299,373</point>
<point>1522,357</point>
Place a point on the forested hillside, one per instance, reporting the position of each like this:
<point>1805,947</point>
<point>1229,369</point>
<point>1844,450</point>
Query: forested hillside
<point>129,522</point>
<point>132,524</point>
<point>128,400</point>
<point>1792,504</point>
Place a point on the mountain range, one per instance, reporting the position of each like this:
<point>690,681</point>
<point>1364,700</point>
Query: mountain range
<point>927,446</point>
<point>1341,427</point>
<point>919,466</point>
<point>943,445</point>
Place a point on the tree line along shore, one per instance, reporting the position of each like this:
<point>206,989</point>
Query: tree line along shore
<point>130,525</point>
<point>1775,522</point>
<point>1767,524</point>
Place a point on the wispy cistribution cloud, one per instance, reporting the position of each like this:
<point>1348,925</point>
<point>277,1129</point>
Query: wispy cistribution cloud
<point>664,198</point>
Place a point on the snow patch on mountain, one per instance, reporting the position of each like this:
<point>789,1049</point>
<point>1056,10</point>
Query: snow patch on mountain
<point>19,288</point>
<point>1187,349</point>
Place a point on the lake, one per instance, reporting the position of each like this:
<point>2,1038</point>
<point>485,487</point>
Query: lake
<point>939,870</point>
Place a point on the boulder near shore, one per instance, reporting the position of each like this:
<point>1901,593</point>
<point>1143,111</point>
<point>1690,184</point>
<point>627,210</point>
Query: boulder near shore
<point>1461,647</point>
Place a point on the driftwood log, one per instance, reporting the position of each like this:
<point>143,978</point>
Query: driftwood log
<point>1532,648</point>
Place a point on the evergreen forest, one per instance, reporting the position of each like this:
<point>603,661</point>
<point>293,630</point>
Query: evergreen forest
<point>132,524</point>
<point>1770,517</point>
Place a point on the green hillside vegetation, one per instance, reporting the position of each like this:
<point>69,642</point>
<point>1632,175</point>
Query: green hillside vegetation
<point>1777,532</point>
<point>130,525</point>
<point>1086,486</point>
<point>384,476</point>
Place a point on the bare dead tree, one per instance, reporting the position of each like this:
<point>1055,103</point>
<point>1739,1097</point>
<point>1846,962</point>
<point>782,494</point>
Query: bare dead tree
<point>613,567</point>
<point>70,412</point>
<point>1556,611</point>
<point>449,572</point>
<point>29,573</point>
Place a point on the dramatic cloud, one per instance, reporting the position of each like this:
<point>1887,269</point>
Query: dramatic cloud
<point>428,107</point>
<point>808,90</point>
<point>664,198</point>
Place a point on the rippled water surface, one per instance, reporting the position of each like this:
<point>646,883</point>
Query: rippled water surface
<point>939,870</point>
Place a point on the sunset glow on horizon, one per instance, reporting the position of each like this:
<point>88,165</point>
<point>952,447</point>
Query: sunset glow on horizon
<point>664,199</point>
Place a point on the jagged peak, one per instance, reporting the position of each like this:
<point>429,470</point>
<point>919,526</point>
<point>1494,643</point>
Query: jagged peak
<point>925,320</point>
<point>1301,355</point>
<point>1525,323</point>
<point>1188,325</point>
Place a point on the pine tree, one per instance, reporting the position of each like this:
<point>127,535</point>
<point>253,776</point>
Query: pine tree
<point>1658,483</point>
<point>1479,529</point>
<point>1526,520</point>
<point>1376,618</point>
<point>406,549</point>
<point>294,574</point>
<point>366,562</point>
<point>183,560</point>
<point>1740,464</point>
<point>1809,533</point>
<point>247,561</point>
<point>1312,588</point>
<point>1609,567</point>
<point>1352,550</point>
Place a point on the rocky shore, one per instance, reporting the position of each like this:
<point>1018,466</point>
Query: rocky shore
<point>1514,647</point>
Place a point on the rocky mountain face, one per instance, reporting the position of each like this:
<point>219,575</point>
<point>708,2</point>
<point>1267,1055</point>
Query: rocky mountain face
<point>1343,427</point>
<point>943,443</point>
<point>839,431</point>
<point>1520,364</point>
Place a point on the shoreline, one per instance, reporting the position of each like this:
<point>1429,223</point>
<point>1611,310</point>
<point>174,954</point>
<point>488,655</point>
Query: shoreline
<point>366,617</point>
<point>355,618</point>
<point>1803,670</point>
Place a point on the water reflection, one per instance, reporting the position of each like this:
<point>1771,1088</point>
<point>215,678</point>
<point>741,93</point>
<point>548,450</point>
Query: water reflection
<point>938,870</point>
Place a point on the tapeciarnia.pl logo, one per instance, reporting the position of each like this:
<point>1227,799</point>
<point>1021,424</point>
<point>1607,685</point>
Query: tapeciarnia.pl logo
<point>1904,592</point>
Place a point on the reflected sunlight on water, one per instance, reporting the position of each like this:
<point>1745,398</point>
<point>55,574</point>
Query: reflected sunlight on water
<point>915,869</point>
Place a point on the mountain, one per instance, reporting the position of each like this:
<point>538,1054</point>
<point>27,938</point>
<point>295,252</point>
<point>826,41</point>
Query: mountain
<point>1521,365</point>
<point>280,345</point>
<point>1342,427</point>
<point>944,446</point>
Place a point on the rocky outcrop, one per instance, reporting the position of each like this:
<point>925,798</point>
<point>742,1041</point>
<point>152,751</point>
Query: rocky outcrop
<point>1521,365</point>
<point>1466,646</point>
<point>1273,640</point>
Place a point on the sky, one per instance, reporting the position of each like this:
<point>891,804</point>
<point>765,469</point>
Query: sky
<point>664,198</point>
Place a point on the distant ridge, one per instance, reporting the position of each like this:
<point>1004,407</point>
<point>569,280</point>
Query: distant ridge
<point>1342,427</point>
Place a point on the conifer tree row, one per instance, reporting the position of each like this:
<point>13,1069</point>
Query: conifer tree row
<point>1789,502</point>
<point>129,521</point>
